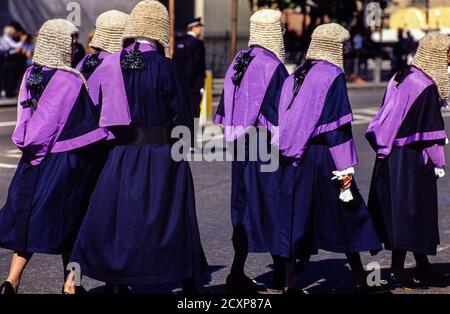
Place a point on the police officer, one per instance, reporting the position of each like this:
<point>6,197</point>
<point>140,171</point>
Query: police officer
<point>189,56</point>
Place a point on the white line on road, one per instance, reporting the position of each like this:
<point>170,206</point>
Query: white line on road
<point>17,156</point>
<point>13,151</point>
<point>8,123</point>
<point>8,166</point>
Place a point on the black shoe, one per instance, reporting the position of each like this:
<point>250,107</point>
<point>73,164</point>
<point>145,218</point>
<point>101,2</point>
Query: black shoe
<point>116,289</point>
<point>400,279</point>
<point>364,288</point>
<point>429,277</point>
<point>243,284</point>
<point>7,289</point>
<point>294,291</point>
<point>278,279</point>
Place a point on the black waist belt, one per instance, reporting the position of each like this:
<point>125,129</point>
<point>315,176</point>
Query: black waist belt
<point>141,135</point>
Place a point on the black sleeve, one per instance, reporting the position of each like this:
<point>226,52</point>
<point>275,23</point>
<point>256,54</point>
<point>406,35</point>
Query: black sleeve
<point>221,107</point>
<point>177,97</point>
<point>198,66</point>
<point>339,136</point>
<point>337,104</point>
<point>424,115</point>
<point>269,107</point>
<point>83,119</point>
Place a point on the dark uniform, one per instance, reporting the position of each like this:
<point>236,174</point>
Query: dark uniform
<point>189,56</point>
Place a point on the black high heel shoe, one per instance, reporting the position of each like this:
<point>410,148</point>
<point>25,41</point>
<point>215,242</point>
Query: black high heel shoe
<point>294,291</point>
<point>243,284</point>
<point>363,288</point>
<point>116,289</point>
<point>400,279</point>
<point>7,289</point>
<point>429,277</point>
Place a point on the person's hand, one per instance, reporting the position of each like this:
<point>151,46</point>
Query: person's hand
<point>347,182</point>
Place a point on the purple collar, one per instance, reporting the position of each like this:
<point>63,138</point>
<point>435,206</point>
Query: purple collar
<point>143,47</point>
<point>299,122</point>
<point>383,130</point>
<point>115,107</point>
<point>242,104</point>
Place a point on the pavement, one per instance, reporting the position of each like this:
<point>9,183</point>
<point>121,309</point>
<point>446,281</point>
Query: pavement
<point>327,272</point>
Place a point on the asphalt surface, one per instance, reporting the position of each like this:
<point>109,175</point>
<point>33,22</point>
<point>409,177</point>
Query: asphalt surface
<point>326,273</point>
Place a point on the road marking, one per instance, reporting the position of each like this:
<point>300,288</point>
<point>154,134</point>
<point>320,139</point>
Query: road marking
<point>8,123</point>
<point>8,166</point>
<point>17,156</point>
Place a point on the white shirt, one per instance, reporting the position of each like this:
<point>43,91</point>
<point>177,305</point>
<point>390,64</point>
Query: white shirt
<point>7,44</point>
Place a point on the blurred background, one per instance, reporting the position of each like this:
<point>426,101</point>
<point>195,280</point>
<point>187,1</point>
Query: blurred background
<point>384,32</point>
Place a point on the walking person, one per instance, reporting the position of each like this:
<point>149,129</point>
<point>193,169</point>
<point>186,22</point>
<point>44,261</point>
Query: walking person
<point>50,191</point>
<point>408,135</point>
<point>320,201</point>
<point>189,56</point>
<point>250,100</point>
<point>107,40</point>
<point>141,226</point>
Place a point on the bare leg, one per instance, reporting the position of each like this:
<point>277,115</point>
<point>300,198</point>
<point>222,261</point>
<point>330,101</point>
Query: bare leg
<point>69,285</point>
<point>18,263</point>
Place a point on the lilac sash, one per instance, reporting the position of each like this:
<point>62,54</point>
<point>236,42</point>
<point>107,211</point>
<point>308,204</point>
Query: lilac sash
<point>115,108</point>
<point>242,104</point>
<point>299,123</point>
<point>37,132</point>
<point>398,100</point>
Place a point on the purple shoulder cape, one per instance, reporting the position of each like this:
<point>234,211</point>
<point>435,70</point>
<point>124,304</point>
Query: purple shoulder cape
<point>300,120</point>
<point>37,132</point>
<point>115,108</point>
<point>384,133</point>
<point>242,104</point>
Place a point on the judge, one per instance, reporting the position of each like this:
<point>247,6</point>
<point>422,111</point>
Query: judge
<point>50,191</point>
<point>107,40</point>
<point>250,99</point>
<point>141,226</point>
<point>320,201</point>
<point>408,135</point>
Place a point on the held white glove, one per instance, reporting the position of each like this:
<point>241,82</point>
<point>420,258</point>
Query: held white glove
<point>439,172</point>
<point>346,195</point>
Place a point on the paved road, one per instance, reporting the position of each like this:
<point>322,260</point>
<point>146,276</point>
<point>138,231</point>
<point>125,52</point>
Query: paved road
<point>327,273</point>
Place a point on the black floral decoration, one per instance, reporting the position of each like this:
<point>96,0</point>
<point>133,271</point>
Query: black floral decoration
<point>133,60</point>
<point>402,74</point>
<point>90,63</point>
<point>299,77</point>
<point>35,80</point>
<point>240,66</point>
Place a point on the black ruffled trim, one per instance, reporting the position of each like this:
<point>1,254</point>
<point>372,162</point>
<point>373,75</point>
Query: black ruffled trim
<point>402,75</point>
<point>133,60</point>
<point>299,76</point>
<point>29,103</point>
<point>240,66</point>
<point>35,80</point>
<point>90,63</point>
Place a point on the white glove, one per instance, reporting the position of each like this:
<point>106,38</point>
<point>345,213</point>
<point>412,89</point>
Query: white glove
<point>346,195</point>
<point>439,172</point>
